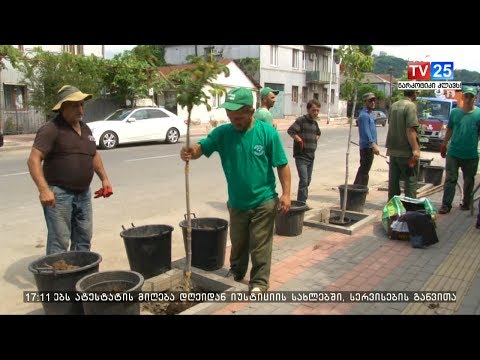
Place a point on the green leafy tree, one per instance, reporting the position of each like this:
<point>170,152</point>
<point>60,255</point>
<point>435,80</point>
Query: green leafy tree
<point>9,53</point>
<point>128,76</point>
<point>152,54</point>
<point>355,64</point>
<point>46,73</point>
<point>190,84</point>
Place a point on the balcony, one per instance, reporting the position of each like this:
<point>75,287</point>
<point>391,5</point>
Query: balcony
<point>321,77</point>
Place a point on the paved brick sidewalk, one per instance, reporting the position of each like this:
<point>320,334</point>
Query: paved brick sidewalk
<point>320,260</point>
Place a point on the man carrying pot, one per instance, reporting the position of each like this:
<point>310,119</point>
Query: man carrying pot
<point>67,149</point>
<point>249,150</point>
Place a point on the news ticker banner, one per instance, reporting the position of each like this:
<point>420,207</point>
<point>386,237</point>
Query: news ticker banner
<point>245,296</point>
<point>429,85</point>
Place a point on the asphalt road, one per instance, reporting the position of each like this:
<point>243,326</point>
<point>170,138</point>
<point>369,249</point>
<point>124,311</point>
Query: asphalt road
<point>149,188</point>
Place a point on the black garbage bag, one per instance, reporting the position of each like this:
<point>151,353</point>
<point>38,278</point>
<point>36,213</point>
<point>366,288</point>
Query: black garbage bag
<point>421,228</point>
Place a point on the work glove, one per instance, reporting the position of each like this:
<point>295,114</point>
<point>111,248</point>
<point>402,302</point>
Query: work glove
<point>443,150</point>
<point>101,192</point>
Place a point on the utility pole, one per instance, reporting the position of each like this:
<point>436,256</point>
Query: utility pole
<point>329,95</point>
<point>390,71</point>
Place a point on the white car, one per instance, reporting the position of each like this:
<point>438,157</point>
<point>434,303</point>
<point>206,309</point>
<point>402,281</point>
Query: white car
<point>136,125</point>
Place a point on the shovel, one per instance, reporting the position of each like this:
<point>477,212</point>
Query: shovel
<point>383,156</point>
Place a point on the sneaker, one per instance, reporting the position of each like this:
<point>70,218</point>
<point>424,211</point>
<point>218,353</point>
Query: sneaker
<point>444,210</point>
<point>236,277</point>
<point>464,207</point>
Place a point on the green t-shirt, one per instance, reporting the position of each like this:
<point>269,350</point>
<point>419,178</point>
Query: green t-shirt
<point>465,132</point>
<point>403,115</point>
<point>247,159</point>
<point>264,115</point>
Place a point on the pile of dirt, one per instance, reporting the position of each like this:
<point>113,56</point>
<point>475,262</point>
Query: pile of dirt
<point>62,265</point>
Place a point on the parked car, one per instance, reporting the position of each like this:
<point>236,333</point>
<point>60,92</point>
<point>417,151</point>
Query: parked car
<point>138,125</point>
<point>379,116</point>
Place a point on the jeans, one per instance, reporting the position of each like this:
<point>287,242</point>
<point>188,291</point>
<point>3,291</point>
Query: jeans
<point>366,160</point>
<point>70,219</point>
<point>304,169</point>
<point>251,232</point>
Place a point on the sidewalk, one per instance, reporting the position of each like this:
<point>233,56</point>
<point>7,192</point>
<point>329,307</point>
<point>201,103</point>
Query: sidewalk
<point>25,141</point>
<point>320,260</point>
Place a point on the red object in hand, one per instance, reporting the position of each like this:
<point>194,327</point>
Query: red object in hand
<point>300,143</point>
<point>443,150</point>
<point>105,193</point>
<point>412,162</point>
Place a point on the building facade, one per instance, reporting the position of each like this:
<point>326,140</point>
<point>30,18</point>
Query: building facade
<point>15,115</point>
<point>299,72</point>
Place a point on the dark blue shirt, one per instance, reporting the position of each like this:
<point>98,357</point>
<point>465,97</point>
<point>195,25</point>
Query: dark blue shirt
<point>367,130</point>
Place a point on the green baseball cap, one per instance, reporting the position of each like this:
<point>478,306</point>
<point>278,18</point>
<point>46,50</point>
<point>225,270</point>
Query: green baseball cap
<point>470,90</point>
<point>238,98</point>
<point>267,90</point>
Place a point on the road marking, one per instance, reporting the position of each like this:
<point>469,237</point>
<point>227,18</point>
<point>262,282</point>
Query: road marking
<point>14,174</point>
<point>153,157</point>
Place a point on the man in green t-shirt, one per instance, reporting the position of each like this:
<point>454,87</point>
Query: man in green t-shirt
<point>403,146</point>
<point>268,96</point>
<point>463,133</point>
<point>249,150</point>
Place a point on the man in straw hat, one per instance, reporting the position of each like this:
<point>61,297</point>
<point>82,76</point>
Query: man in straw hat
<point>67,149</point>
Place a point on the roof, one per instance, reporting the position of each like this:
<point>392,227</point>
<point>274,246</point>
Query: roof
<point>374,79</point>
<point>386,77</point>
<point>165,70</point>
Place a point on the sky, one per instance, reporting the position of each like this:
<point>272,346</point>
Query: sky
<point>463,56</point>
<point>111,50</point>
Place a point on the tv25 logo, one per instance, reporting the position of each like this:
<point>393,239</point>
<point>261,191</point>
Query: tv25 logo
<point>425,70</point>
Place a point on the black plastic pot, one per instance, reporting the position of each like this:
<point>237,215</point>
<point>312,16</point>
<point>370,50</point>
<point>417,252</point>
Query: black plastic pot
<point>209,241</point>
<point>111,283</point>
<point>421,172</point>
<point>291,223</point>
<point>433,174</point>
<point>149,249</point>
<point>356,196</point>
<point>49,279</point>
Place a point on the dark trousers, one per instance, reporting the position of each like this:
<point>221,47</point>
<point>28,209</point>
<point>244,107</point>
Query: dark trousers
<point>398,169</point>
<point>304,169</point>
<point>366,160</point>
<point>251,232</point>
<point>469,169</point>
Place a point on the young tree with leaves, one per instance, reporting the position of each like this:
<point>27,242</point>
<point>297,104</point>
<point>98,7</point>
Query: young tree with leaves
<point>190,85</point>
<point>355,64</point>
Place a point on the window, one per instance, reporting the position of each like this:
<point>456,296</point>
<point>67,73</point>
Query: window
<point>295,94</point>
<point>155,113</point>
<point>140,115</point>
<point>274,55</point>
<point>304,60</point>
<point>295,58</point>
<point>216,100</point>
<point>324,95</point>
<point>325,64</point>
<point>15,97</point>
<point>73,49</point>
<point>332,97</point>
<point>304,94</point>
